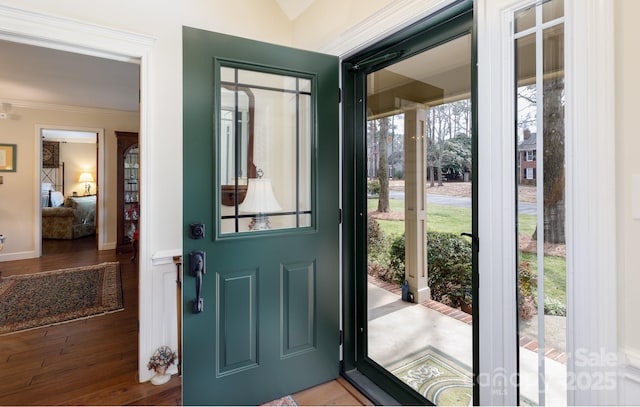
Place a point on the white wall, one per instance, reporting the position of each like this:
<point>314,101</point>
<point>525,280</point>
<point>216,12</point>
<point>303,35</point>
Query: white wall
<point>628,163</point>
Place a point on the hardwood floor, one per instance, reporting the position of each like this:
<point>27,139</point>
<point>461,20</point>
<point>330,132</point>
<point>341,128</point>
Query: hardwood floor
<point>87,362</point>
<point>95,361</point>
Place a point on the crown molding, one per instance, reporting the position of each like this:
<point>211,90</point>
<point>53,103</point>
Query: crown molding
<point>24,104</point>
<point>66,34</point>
<point>397,15</point>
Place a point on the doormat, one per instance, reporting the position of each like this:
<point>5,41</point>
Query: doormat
<point>438,377</point>
<point>32,301</point>
<point>284,401</point>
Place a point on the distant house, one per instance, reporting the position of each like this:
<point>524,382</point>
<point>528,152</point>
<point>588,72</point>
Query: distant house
<point>527,159</point>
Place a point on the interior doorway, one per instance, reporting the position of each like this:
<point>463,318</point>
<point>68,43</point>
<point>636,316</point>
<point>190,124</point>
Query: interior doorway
<point>69,191</point>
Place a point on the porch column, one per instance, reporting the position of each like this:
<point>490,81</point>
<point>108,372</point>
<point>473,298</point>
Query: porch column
<point>415,204</point>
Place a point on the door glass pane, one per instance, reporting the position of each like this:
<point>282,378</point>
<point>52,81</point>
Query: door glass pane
<point>525,19</point>
<point>540,225</point>
<point>420,268</point>
<point>265,151</point>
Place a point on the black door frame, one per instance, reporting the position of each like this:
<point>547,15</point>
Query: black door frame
<point>449,23</point>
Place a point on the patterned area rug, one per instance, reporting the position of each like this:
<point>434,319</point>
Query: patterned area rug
<point>439,378</point>
<point>35,300</point>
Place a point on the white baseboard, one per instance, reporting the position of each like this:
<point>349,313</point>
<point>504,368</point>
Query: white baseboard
<point>18,256</point>
<point>629,385</point>
<point>629,377</point>
<point>108,246</point>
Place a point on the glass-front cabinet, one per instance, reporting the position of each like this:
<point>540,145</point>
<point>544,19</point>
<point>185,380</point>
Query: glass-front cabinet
<point>128,190</point>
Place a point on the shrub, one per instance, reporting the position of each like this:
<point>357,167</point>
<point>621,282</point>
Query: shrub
<point>527,300</point>
<point>553,306</point>
<point>449,264</point>
<point>526,291</point>
<point>378,251</point>
<point>396,260</point>
<point>449,268</point>
<point>375,237</point>
<point>373,187</point>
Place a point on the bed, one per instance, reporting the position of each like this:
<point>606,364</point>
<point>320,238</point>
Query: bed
<point>52,184</point>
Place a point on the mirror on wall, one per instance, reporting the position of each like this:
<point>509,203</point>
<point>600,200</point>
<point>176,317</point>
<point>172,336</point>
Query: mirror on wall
<point>236,121</point>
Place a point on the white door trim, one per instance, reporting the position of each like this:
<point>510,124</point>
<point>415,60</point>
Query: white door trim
<point>591,211</point>
<point>591,237</point>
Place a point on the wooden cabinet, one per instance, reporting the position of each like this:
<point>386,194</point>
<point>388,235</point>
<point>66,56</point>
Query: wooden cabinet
<point>128,190</point>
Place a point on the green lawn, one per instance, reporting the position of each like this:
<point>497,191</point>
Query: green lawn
<point>456,220</point>
<point>555,283</point>
<point>443,218</point>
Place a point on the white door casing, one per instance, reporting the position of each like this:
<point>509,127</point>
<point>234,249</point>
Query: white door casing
<point>65,34</point>
<point>590,213</point>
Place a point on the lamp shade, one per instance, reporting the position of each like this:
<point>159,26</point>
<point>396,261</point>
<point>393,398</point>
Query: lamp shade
<point>86,177</point>
<point>259,197</point>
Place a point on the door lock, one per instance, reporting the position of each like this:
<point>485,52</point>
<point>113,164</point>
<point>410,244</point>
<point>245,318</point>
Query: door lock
<point>196,230</point>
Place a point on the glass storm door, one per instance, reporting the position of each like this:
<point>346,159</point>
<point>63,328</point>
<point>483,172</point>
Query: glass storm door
<point>261,274</point>
<point>416,275</point>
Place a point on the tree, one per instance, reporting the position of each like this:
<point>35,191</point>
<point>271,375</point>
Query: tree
<point>383,176</point>
<point>553,145</point>
<point>443,121</point>
<point>553,155</point>
<point>456,157</point>
<point>438,128</point>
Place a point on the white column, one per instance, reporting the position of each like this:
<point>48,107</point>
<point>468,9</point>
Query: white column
<point>415,204</point>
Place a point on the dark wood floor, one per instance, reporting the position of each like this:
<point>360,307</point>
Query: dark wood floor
<point>95,361</point>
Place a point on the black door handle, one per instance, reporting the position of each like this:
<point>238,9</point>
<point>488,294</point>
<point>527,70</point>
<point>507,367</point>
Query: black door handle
<point>474,238</point>
<point>197,269</point>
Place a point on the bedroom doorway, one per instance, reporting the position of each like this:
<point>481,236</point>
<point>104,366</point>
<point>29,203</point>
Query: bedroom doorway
<point>70,177</point>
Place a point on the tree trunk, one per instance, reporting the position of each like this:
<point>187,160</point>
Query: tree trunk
<point>554,162</point>
<point>383,178</point>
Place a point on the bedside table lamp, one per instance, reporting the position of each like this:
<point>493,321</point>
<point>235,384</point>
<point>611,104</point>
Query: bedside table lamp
<point>87,178</point>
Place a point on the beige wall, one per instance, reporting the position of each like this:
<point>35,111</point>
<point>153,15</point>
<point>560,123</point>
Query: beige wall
<point>326,19</point>
<point>627,141</point>
<point>18,199</point>
<point>79,158</point>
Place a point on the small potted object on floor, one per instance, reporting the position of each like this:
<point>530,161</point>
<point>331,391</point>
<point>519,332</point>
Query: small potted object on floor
<point>160,361</point>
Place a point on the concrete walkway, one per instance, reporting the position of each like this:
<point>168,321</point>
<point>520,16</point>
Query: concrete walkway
<point>399,330</point>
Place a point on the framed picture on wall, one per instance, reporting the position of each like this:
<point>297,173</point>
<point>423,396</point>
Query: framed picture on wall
<point>8,157</point>
<point>50,154</point>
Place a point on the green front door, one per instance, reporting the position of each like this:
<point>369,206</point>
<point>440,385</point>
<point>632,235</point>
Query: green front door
<point>261,184</point>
